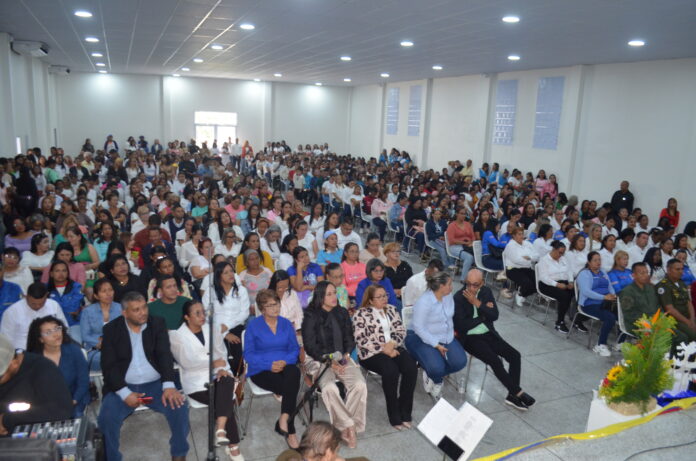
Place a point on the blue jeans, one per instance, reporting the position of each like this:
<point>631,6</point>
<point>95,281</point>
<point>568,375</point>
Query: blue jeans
<point>114,411</point>
<point>381,226</point>
<point>435,365</point>
<point>94,360</point>
<point>440,246</point>
<point>607,318</point>
<point>492,263</point>
<point>466,257</point>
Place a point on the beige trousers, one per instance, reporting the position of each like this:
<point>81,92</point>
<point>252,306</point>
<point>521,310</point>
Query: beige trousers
<point>343,414</point>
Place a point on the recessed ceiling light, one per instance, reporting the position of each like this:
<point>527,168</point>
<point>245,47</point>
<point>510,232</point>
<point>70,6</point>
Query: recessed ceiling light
<point>176,75</point>
<point>318,84</point>
<point>216,47</point>
<point>406,43</point>
<point>636,43</point>
<point>92,39</point>
<point>102,71</point>
<point>277,75</point>
<point>100,64</point>
<point>257,79</point>
<point>384,75</point>
<point>437,67</point>
<point>247,26</point>
<point>83,14</point>
<point>346,58</point>
<point>347,80</point>
<point>97,55</point>
<point>511,19</point>
<point>514,57</point>
<point>197,60</point>
<point>185,69</point>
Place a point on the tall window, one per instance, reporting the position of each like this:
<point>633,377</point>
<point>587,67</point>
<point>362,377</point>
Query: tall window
<point>414,110</point>
<point>505,110</point>
<point>215,125</point>
<point>548,112</point>
<point>393,110</point>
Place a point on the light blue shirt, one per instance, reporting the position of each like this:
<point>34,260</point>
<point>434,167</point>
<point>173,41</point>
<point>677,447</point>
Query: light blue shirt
<point>139,371</point>
<point>585,282</point>
<point>432,319</point>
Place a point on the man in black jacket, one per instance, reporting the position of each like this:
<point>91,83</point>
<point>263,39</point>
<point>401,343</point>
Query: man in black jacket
<point>622,198</point>
<point>32,379</point>
<point>475,311</point>
<point>138,369</point>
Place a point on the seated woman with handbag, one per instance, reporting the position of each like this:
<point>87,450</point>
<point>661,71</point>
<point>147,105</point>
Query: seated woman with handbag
<point>190,346</point>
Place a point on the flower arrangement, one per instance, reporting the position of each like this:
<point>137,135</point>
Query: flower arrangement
<point>644,372</point>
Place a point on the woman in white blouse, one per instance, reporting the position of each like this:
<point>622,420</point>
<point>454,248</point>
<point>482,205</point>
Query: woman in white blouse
<point>190,347</point>
<point>231,304</point>
<point>189,250</point>
<point>316,219</point>
<point>519,256</point>
<point>270,242</point>
<point>229,245</point>
<point>542,245</point>
<point>595,239</point>
<point>609,227</point>
<point>607,252</point>
<point>306,240</point>
<point>201,265</point>
<point>290,305</point>
<point>39,256</point>
<point>576,256</point>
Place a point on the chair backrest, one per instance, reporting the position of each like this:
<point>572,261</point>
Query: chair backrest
<point>403,219</point>
<point>478,253</point>
<point>447,248</point>
<point>620,318</point>
<point>407,316</point>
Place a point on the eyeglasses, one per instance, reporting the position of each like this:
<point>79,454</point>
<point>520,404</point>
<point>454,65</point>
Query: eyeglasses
<point>51,331</point>
<point>377,269</point>
<point>272,305</point>
<point>382,296</point>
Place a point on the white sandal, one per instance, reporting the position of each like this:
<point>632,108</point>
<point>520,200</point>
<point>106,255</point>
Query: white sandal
<point>221,438</point>
<point>238,457</point>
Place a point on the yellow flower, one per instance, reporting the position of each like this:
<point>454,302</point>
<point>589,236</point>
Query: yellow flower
<point>614,373</point>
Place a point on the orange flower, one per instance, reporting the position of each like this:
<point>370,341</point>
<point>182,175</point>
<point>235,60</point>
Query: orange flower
<point>646,325</point>
<point>656,316</point>
<point>671,331</point>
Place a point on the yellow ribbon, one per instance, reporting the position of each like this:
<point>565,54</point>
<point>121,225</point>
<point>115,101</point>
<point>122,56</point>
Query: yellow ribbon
<point>681,404</point>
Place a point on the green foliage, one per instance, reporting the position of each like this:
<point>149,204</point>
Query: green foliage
<point>644,371</point>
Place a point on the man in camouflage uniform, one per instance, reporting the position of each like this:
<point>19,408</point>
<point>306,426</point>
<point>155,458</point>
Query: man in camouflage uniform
<point>673,295</point>
<point>639,297</point>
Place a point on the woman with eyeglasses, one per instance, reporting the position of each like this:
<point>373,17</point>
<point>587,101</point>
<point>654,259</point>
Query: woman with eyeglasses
<point>48,336</point>
<point>271,351</point>
<point>190,345</point>
<point>379,336</point>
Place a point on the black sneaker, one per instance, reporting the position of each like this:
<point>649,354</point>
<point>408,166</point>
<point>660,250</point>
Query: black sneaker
<point>561,326</point>
<point>527,399</point>
<point>580,327</point>
<point>516,402</point>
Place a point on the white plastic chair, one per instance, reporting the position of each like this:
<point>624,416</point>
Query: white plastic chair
<point>256,391</point>
<point>391,230</point>
<point>433,248</point>
<point>449,251</point>
<point>580,311</point>
<point>407,316</point>
<point>478,259</point>
<point>411,239</point>
<point>548,300</point>
<point>621,321</point>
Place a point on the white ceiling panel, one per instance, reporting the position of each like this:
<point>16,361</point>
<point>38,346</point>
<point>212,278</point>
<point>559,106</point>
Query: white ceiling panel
<point>303,39</point>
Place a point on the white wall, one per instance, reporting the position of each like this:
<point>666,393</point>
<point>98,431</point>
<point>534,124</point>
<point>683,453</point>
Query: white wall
<point>458,120</point>
<point>311,114</point>
<point>26,90</point>
<point>639,123</point>
<point>365,121</point>
<point>95,105</point>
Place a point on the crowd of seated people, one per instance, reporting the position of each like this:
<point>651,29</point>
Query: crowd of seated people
<point>115,246</point>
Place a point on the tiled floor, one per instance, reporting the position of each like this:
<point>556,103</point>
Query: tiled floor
<point>559,373</point>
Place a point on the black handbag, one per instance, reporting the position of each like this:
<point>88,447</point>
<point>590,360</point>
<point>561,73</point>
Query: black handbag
<point>495,252</point>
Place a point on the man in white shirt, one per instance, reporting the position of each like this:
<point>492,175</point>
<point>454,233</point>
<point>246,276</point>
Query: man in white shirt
<point>347,234</point>
<point>556,281</point>
<point>17,318</point>
<point>636,253</point>
<point>236,152</point>
<point>416,285</point>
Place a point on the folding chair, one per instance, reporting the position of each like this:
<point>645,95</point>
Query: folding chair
<point>542,297</point>
<point>409,239</point>
<point>580,311</point>
<point>432,247</point>
<point>449,251</point>
<point>478,260</point>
